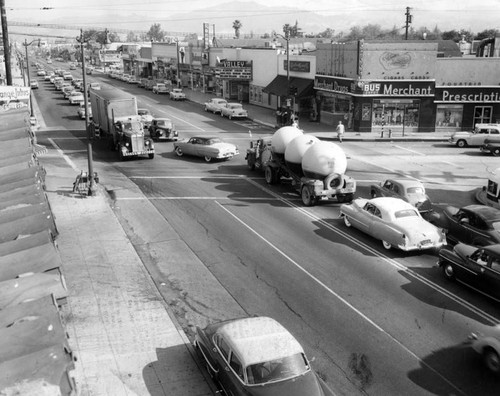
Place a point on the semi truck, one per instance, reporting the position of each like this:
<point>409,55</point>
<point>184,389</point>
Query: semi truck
<point>316,169</point>
<point>115,118</point>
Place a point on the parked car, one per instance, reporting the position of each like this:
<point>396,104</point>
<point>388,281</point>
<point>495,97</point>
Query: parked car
<point>133,80</point>
<point>75,97</point>
<point>393,221</point>
<point>215,105</point>
<point>491,146</point>
<point>477,267</point>
<point>67,90</point>
<point>473,224</point>
<point>411,191</point>
<point>257,356</point>
<point>476,137</point>
<point>94,85</point>
<point>81,111</point>
<point>177,94</point>
<point>67,76</point>
<point>487,344</point>
<point>34,84</point>
<point>163,129</point>
<point>41,72</point>
<point>146,116</point>
<point>233,110</point>
<point>49,61</point>
<point>160,88</point>
<point>208,148</point>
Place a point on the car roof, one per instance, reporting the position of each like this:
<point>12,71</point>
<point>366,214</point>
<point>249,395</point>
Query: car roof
<point>495,249</point>
<point>259,339</point>
<point>391,203</point>
<point>488,213</point>
<point>162,119</point>
<point>406,182</point>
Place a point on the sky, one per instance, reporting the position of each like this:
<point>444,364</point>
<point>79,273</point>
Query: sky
<point>448,14</point>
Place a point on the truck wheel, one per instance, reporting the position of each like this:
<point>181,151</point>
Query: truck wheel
<point>270,175</point>
<point>207,158</point>
<point>349,197</point>
<point>120,154</point>
<point>307,198</point>
<point>461,143</point>
<point>151,156</point>
<point>251,165</point>
<point>496,152</point>
<point>491,360</point>
<point>178,151</point>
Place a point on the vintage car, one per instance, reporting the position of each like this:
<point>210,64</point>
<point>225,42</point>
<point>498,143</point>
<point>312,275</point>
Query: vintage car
<point>215,105</point>
<point>257,356</point>
<point>34,84</point>
<point>160,88</point>
<point>411,191</point>
<point>146,117</point>
<point>41,72</point>
<point>68,91</point>
<point>487,344</point>
<point>491,146</point>
<point>75,97</point>
<point>477,225</point>
<point>163,129</point>
<point>477,267</point>
<point>395,222</point>
<point>208,148</point>
<point>476,138</point>
<point>177,94</point>
<point>233,110</point>
<point>81,111</point>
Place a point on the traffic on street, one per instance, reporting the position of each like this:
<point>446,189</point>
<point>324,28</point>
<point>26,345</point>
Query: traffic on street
<point>372,318</point>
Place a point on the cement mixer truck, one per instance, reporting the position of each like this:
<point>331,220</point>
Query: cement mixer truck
<point>315,168</point>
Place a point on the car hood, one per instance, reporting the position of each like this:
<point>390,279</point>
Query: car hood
<point>307,384</point>
<point>463,251</point>
<point>417,198</point>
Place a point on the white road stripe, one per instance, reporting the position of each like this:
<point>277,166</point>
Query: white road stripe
<point>61,153</point>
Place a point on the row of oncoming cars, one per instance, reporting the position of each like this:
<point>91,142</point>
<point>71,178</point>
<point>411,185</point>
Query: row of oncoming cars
<point>401,215</point>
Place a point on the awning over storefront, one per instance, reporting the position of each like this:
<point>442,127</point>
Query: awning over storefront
<point>279,86</point>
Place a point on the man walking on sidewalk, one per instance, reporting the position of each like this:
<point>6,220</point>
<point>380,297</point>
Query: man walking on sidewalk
<point>340,131</point>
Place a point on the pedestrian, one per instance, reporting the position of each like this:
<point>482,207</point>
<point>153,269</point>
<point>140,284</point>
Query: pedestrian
<point>340,131</point>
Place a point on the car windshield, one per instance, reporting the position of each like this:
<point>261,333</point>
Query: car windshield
<point>405,213</point>
<point>277,370</point>
<point>143,112</point>
<point>164,123</point>
<point>415,190</point>
<point>213,141</point>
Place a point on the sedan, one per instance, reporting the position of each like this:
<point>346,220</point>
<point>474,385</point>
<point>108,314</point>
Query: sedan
<point>163,129</point>
<point>477,267</point>
<point>395,222</point>
<point>491,146</point>
<point>473,224</point>
<point>81,111</point>
<point>160,88</point>
<point>208,148</point>
<point>34,84</point>
<point>75,97</point>
<point>177,94</point>
<point>233,110</point>
<point>215,105</point>
<point>411,191</point>
<point>41,72</point>
<point>257,356</point>
<point>477,136</point>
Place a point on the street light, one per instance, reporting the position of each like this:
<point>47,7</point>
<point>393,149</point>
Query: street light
<point>287,38</point>
<point>90,175</point>
<point>26,44</point>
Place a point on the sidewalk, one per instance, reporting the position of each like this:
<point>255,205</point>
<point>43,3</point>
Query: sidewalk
<point>119,326</point>
<point>267,117</point>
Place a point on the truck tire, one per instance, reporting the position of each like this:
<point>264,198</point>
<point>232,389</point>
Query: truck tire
<point>333,180</point>
<point>271,175</point>
<point>308,199</point>
<point>120,154</point>
<point>151,156</point>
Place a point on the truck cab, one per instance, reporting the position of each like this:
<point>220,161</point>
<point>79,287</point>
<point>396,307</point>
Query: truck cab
<point>130,141</point>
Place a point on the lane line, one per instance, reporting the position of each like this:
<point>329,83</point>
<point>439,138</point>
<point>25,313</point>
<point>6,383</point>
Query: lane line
<point>340,298</point>
<point>61,153</point>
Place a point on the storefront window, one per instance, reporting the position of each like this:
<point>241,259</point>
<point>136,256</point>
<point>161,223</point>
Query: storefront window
<point>396,113</point>
<point>482,114</point>
<point>449,116</point>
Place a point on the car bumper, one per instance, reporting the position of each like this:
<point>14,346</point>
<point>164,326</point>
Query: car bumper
<point>132,153</point>
<point>227,155</point>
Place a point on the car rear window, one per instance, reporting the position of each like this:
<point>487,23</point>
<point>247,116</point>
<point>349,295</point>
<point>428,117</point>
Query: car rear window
<point>277,370</point>
<point>405,213</point>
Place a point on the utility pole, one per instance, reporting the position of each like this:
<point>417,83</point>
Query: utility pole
<point>6,46</point>
<point>408,21</point>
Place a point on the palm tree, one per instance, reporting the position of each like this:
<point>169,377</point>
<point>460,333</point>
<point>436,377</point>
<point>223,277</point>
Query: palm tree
<point>237,26</point>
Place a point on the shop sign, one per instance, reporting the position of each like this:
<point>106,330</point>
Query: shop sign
<point>335,85</point>
<point>234,64</point>
<point>469,95</point>
<point>13,97</point>
<point>298,66</point>
<point>398,88</point>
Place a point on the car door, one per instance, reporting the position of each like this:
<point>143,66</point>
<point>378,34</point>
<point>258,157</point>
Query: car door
<point>477,138</point>
<point>363,218</point>
<point>492,277</point>
<point>226,375</point>
<point>473,270</point>
<point>458,227</point>
<point>190,146</point>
